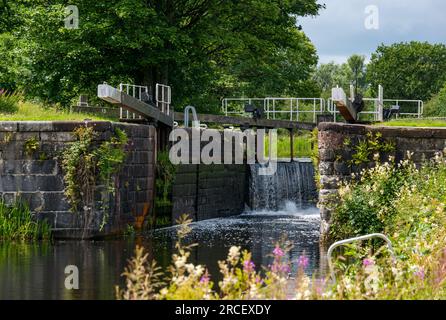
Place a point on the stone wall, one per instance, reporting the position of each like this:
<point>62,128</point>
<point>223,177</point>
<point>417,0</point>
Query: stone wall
<point>209,191</point>
<point>337,146</point>
<point>37,177</point>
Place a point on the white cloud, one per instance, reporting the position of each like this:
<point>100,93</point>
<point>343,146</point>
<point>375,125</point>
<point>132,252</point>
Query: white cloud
<point>339,30</point>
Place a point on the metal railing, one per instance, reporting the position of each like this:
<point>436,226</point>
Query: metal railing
<point>135,91</point>
<point>348,241</point>
<point>236,106</point>
<point>408,108</point>
<point>163,97</point>
<point>293,109</point>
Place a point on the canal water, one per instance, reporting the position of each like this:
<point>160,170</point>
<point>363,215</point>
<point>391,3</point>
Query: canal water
<point>36,271</point>
<point>280,212</point>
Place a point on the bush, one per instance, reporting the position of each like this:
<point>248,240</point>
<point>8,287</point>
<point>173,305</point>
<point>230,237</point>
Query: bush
<point>368,204</point>
<point>436,107</point>
<point>413,215</point>
<point>9,102</point>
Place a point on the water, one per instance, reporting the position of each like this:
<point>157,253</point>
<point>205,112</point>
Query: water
<point>37,271</point>
<point>294,181</point>
<point>279,211</point>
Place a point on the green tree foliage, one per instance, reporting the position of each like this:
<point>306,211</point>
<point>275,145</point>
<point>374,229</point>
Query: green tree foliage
<point>412,70</point>
<point>204,49</point>
<point>330,75</point>
<point>436,107</point>
<point>356,64</point>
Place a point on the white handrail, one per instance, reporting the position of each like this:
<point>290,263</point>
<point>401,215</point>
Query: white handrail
<point>362,238</point>
<point>293,106</point>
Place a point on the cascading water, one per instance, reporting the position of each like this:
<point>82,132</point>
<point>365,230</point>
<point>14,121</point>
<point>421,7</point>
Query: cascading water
<point>293,182</point>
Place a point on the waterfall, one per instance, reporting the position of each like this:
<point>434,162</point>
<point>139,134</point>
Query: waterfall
<point>293,182</point>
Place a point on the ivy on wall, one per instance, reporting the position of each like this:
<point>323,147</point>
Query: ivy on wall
<point>88,165</point>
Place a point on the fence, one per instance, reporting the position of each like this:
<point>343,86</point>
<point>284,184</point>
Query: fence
<point>408,108</point>
<point>293,109</point>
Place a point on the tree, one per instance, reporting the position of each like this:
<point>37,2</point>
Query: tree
<point>357,66</point>
<point>330,75</point>
<point>204,49</point>
<point>412,70</point>
<point>436,107</point>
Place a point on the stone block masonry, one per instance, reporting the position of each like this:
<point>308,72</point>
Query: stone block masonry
<point>209,191</point>
<point>337,146</point>
<point>30,169</point>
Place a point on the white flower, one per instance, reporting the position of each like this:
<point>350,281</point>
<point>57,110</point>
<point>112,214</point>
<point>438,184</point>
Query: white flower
<point>234,253</point>
<point>164,292</point>
<point>180,262</point>
<point>190,268</point>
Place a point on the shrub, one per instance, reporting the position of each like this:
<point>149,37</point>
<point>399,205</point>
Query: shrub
<point>408,205</point>
<point>368,203</point>
<point>436,107</point>
<point>9,102</point>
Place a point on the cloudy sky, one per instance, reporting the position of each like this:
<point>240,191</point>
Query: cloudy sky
<point>340,30</point>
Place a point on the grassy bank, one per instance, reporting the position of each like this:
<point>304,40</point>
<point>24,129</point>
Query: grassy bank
<point>17,109</point>
<point>414,123</point>
<point>302,143</point>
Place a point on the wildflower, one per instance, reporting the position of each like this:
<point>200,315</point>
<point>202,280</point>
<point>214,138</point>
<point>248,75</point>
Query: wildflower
<point>303,262</point>
<point>180,262</point>
<point>368,262</point>
<point>278,252</point>
<point>205,278</point>
<point>248,266</point>
<point>234,253</point>
<point>190,268</point>
<point>164,291</point>
<point>420,274</point>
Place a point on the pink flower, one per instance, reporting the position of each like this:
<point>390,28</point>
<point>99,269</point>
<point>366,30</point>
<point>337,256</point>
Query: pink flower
<point>248,266</point>
<point>205,278</point>
<point>420,274</point>
<point>368,262</point>
<point>278,252</point>
<point>303,262</point>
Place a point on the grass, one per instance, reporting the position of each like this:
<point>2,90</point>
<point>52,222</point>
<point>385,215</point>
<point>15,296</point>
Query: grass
<point>302,145</point>
<point>414,123</point>
<point>8,102</point>
<point>17,223</point>
<point>29,111</point>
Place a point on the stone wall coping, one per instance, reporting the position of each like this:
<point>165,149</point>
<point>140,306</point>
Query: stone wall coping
<point>390,132</point>
<point>60,126</point>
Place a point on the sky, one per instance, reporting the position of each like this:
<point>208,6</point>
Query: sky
<point>340,29</point>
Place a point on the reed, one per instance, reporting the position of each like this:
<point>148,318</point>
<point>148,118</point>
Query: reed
<point>17,223</point>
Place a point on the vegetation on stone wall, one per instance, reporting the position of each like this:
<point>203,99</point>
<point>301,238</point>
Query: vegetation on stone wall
<point>366,150</point>
<point>18,223</point>
<point>88,165</point>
